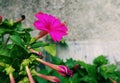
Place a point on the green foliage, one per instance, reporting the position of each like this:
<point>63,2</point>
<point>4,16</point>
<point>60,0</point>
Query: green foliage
<point>16,43</point>
<point>83,72</point>
<point>51,49</point>
<point>18,50</point>
<point>101,60</point>
<point>17,40</point>
<point>39,44</point>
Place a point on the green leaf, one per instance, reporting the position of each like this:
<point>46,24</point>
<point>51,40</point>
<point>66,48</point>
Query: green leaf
<point>4,52</point>
<point>38,44</point>
<point>28,29</point>
<point>9,70</point>
<point>40,80</point>
<point>70,63</point>
<point>4,78</point>
<point>91,69</point>
<point>63,43</point>
<point>48,69</point>
<point>56,60</point>
<point>107,70</point>
<point>51,49</point>
<point>4,30</point>
<point>24,80</point>
<point>18,26</point>
<point>74,79</point>
<point>17,40</point>
<point>8,22</point>
<point>88,79</point>
<point>100,60</point>
<point>27,37</point>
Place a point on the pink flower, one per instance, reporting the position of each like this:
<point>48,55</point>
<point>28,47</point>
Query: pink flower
<point>65,71</point>
<point>50,78</point>
<point>11,78</point>
<point>50,24</point>
<point>62,70</point>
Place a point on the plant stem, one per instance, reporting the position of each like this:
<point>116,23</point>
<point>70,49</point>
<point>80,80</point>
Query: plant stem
<point>29,75</point>
<point>11,78</point>
<point>53,66</point>
<point>113,81</point>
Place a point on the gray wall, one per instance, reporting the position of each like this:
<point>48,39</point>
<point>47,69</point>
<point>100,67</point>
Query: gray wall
<point>94,25</point>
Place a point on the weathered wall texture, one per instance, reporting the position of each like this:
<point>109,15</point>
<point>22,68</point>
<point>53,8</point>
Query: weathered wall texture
<point>94,25</point>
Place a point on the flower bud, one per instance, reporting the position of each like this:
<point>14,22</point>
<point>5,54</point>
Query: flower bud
<point>21,19</point>
<point>62,70</point>
<point>65,71</point>
<point>0,19</point>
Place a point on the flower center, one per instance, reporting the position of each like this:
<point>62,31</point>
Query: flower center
<point>49,27</point>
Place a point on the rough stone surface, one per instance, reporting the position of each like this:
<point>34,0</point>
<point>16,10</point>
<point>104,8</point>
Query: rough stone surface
<point>88,50</point>
<point>86,19</point>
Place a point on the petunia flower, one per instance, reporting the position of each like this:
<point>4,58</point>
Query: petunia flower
<point>29,75</point>
<point>50,24</point>
<point>11,78</point>
<point>50,78</point>
<point>63,70</point>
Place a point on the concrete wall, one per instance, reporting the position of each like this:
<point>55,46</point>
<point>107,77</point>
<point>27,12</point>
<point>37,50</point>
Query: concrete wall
<point>94,25</point>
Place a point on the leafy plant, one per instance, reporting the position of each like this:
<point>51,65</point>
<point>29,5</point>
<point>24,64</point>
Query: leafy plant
<point>27,59</point>
<point>21,55</point>
<point>90,73</point>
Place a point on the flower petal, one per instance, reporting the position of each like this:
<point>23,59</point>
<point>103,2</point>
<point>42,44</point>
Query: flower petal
<point>40,26</point>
